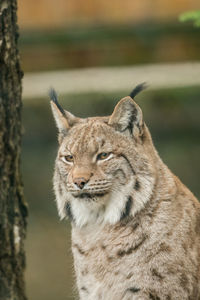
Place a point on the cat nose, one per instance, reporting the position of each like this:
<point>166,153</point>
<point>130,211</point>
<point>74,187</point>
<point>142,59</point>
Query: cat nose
<point>80,182</point>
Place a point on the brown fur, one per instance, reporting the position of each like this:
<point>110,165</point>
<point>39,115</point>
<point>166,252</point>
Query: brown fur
<point>135,226</point>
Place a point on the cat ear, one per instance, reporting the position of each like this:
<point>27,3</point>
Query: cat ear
<point>64,119</point>
<point>127,117</point>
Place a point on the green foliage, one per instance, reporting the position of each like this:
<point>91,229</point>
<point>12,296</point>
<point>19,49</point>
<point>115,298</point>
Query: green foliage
<point>191,16</point>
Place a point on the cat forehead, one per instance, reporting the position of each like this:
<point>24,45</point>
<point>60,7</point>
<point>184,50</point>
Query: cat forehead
<point>91,127</point>
<point>90,134</point>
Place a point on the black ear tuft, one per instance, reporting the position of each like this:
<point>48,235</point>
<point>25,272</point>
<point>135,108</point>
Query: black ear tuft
<point>140,87</point>
<point>54,97</point>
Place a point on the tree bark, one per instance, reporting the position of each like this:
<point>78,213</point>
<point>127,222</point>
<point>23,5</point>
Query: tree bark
<point>13,209</point>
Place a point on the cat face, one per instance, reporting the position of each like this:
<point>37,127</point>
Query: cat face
<point>92,160</point>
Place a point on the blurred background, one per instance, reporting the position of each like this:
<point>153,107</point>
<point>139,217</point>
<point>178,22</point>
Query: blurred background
<point>94,53</point>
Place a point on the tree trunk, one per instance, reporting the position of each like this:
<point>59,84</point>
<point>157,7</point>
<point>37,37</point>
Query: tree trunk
<point>13,209</point>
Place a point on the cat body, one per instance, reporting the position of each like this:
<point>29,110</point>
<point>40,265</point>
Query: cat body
<point>135,226</point>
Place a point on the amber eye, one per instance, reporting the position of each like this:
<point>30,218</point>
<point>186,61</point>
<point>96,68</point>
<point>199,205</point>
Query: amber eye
<point>102,156</point>
<point>68,158</point>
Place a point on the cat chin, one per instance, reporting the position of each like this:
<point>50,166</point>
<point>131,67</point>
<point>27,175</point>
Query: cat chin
<point>88,210</point>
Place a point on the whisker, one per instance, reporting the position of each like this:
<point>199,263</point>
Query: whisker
<point>102,180</point>
<point>103,184</point>
<point>89,190</point>
<point>91,187</point>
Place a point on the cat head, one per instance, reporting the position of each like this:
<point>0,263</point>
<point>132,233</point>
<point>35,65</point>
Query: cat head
<point>102,172</point>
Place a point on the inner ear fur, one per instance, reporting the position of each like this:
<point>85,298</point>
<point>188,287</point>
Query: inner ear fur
<point>127,116</point>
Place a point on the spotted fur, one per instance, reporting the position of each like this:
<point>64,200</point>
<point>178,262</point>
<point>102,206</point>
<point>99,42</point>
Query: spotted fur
<point>135,226</point>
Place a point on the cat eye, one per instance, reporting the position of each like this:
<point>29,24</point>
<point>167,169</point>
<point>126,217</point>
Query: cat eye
<point>103,155</point>
<point>68,158</point>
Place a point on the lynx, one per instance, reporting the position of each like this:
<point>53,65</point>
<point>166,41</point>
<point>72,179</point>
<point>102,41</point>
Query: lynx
<point>135,226</point>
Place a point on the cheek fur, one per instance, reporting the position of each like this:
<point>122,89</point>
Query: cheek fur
<point>119,171</point>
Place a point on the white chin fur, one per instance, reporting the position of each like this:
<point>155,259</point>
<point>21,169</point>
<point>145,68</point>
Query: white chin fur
<point>107,209</point>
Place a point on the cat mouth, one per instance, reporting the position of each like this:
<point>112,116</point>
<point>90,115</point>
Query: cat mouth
<point>87,195</point>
